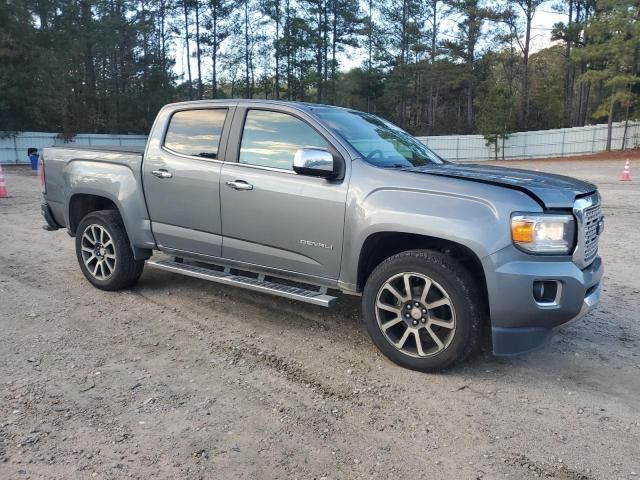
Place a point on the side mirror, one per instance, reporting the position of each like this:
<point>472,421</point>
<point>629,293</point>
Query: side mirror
<point>315,162</point>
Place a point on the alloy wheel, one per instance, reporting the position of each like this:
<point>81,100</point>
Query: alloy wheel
<point>415,314</point>
<point>98,252</point>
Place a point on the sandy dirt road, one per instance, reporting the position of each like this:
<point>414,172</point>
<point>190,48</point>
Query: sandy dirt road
<point>181,378</point>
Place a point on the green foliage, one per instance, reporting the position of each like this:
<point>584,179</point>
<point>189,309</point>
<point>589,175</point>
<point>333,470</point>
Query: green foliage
<point>431,66</point>
<point>613,54</point>
<point>497,116</point>
<point>81,66</point>
<point>546,89</point>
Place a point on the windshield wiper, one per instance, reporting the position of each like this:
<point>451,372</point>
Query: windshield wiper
<point>395,165</point>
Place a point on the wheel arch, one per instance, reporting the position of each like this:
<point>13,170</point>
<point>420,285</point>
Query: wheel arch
<point>379,246</point>
<point>82,204</point>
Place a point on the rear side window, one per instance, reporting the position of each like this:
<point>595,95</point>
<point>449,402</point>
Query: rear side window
<point>271,139</point>
<point>196,132</point>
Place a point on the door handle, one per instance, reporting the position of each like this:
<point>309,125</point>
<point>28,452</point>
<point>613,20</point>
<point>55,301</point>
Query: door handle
<point>240,185</point>
<point>162,173</point>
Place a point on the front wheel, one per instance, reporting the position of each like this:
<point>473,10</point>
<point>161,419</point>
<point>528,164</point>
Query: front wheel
<point>423,310</point>
<point>104,252</point>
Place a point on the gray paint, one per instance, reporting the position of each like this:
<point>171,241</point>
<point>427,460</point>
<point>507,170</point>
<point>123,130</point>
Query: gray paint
<point>184,209</point>
<point>312,229</point>
<point>110,174</point>
<point>266,225</point>
<point>472,214</point>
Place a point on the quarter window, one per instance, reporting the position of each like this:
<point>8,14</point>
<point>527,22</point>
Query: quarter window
<point>271,139</point>
<point>196,132</point>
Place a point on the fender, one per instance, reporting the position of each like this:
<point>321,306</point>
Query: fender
<point>119,184</point>
<point>442,208</point>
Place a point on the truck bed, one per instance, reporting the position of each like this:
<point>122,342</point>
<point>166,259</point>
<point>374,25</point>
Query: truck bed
<point>109,171</point>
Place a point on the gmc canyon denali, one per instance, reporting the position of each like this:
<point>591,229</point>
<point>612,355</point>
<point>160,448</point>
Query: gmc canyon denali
<point>301,200</point>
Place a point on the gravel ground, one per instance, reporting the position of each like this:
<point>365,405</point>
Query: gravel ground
<point>181,378</point>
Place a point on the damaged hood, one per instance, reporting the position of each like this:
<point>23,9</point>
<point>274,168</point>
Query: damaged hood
<point>550,190</point>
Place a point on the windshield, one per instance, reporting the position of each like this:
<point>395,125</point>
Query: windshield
<point>379,142</point>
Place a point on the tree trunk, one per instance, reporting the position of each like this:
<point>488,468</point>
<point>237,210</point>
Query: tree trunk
<point>319,53</point>
<point>431,115</point>
<point>610,124</point>
<point>277,53</point>
<point>198,52</point>
<point>403,56</point>
<point>325,48</point>
<point>186,42</point>
<point>469,125</point>
<point>568,74</point>
<point>287,37</point>
<point>247,71</point>
<point>334,43</point>
<point>370,49</point>
<point>89,63</point>
<point>524,119</point>
<point>214,50</point>
<point>163,41</point>
<point>469,67</point>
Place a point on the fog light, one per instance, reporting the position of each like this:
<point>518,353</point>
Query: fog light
<point>546,292</point>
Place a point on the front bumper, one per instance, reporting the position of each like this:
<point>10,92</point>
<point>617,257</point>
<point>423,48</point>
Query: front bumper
<point>519,323</point>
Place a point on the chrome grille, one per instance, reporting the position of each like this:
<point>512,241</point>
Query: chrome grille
<point>588,213</point>
<point>591,218</point>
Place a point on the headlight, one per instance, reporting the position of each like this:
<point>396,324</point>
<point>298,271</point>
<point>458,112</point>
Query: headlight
<point>543,233</point>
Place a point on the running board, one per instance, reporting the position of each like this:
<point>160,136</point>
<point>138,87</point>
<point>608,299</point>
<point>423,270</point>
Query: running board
<point>316,297</point>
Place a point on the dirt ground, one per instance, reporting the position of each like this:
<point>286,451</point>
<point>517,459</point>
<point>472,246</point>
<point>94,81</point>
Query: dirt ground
<point>181,378</point>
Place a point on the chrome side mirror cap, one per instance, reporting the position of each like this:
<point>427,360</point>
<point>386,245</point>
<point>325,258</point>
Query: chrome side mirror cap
<point>315,162</point>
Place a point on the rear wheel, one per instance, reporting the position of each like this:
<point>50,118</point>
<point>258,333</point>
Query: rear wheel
<point>423,310</point>
<point>104,252</point>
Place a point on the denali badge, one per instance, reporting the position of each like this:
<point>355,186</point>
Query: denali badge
<point>311,243</point>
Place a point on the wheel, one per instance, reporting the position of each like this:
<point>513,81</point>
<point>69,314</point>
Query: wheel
<point>104,251</point>
<point>423,310</point>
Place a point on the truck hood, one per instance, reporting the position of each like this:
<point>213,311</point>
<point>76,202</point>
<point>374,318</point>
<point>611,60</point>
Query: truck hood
<point>550,190</point>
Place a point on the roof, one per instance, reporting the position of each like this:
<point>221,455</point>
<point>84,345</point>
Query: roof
<point>245,101</point>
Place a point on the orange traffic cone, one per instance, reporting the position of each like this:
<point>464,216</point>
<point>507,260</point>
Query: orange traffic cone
<point>626,173</point>
<point>3,186</point>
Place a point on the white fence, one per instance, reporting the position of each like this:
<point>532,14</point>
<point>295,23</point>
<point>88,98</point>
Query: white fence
<point>465,148</point>
<point>13,148</point>
<point>539,144</point>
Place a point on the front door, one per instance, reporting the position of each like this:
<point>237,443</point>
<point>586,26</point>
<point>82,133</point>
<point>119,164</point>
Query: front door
<point>272,216</point>
<point>181,175</point>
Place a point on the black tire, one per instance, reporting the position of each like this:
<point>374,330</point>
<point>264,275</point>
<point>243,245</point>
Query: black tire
<point>125,270</point>
<point>460,290</point>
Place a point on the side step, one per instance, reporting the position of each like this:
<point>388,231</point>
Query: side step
<point>316,297</point>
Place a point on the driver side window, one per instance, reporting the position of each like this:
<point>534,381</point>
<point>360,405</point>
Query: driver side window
<point>271,139</point>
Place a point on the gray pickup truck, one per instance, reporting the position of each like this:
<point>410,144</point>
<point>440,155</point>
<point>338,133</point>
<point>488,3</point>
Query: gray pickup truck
<point>303,201</point>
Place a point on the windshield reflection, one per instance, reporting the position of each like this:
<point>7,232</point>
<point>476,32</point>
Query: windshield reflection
<point>378,142</point>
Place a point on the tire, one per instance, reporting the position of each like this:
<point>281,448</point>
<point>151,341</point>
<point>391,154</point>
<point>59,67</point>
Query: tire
<point>452,310</point>
<point>104,251</point>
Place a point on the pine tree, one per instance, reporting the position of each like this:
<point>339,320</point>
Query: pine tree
<point>613,56</point>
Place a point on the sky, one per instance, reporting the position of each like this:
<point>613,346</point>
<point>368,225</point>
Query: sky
<point>543,22</point>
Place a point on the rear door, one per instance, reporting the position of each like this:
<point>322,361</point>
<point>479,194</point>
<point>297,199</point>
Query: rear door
<point>272,216</point>
<point>181,175</point>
